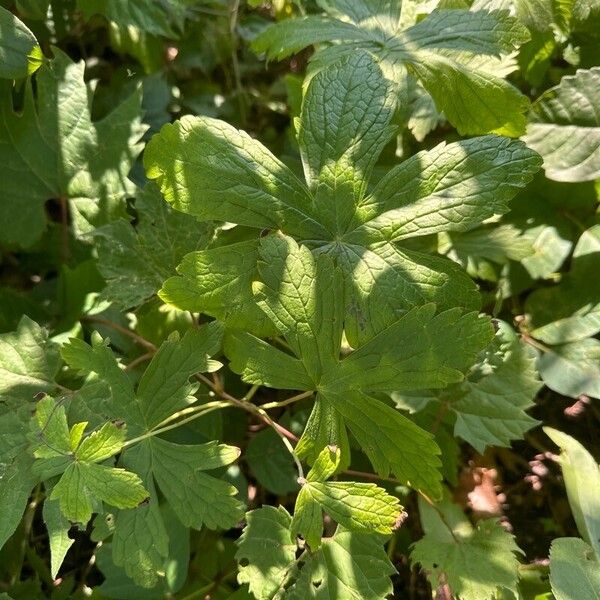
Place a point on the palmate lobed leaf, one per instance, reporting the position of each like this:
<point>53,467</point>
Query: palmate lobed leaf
<point>348,565</point>
<point>20,53</point>
<point>452,187</point>
<point>475,562</point>
<point>444,51</point>
<point>301,294</point>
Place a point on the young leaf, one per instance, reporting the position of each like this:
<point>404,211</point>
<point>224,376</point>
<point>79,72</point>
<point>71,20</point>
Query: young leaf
<point>361,507</point>
<point>136,261</point>
<point>20,53</point>
<point>63,154</point>
<point>564,127</point>
<point>574,570</point>
<point>475,562</point>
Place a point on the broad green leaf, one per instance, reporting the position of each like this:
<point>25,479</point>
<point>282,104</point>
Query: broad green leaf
<point>347,566</point>
<point>564,128</point>
<point>292,35</point>
<point>28,361</point>
<point>218,283</point>
<point>340,140</point>
<point>20,53</point>
<point>63,154</point>
<point>572,369</point>
<point>266,553</point>
<point>582,480</point>
<point>160,396</point>
<point>58,534</point>
<point>449,51</point>
<point>302,295</point>
<point>574,570</point>
<point>479,249</point>
<point>442,347</point>
<point>570,311</point>
<point>246,185</point>
<point>450,188</point>
<point>16,484</point>
<point>381,280</point>
<point>490,405</point>
<point>84,483</point>
<point>475,562</point>
<point>196,498</point>
<point>140,543</point>
<point>474,101</point>
<point>99,359</point>
<point>136,261</point>
<point>299,294</point>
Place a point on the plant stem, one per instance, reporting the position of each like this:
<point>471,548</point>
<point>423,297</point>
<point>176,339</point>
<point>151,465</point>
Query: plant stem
<point>197,413</point>
<point>291,400</point>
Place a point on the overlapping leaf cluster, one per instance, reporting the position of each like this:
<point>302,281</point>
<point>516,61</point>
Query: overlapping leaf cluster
<point>330,285</point>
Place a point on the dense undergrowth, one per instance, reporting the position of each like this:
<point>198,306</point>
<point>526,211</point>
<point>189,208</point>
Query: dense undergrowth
<point>299,299</point>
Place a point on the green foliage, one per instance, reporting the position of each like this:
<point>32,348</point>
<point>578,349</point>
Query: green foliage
<point>288,330</point>
<point>451,52</point>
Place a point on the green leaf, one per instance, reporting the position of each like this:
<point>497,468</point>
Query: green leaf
<point>196,498</point>
<point>291,35</point>
<point>564,128</point>
<point>570,311</point>
<point>452,52</point>
<point>266,553</point>
<point>574,570</point>
<point>490,406</point>
<point>347,566</point>
<point>82,483</point>
<point>29,362</point>
<point>246,185</point>
<point>582,480</point>
<point>101,444</point>
<point>63,154</point>
<point>159,18</point>
<point>136,261</point>
<point>475,562</point>
<point>53,428</point>
<point>160,396</point>
<point>20,53</point>
<point>572,369</point>
<point>16,484</point>
<point>58,534</point>
<point>340,140</point>
<point>218,282</point>
<point>450,188</point>
<point>140,543</point>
